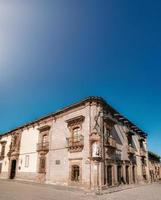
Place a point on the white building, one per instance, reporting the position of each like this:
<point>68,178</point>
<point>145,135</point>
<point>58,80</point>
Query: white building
<point>88,144</point>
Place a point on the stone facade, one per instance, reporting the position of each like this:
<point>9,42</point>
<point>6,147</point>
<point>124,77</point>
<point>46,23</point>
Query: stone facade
<point>88,145</point>
<point>154,167</point>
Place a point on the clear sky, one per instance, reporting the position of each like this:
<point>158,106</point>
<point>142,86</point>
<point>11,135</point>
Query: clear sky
<point>56,52</point>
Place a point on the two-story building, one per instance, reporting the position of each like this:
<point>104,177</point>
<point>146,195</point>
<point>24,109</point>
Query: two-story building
<point>88,144</point>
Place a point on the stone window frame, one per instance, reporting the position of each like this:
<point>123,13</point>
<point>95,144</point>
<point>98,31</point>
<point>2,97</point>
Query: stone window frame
<point>75,173</point>
<point>45,137</point>
<point>75,123</point>
<point>43,131</point>
<point>76,138</point>
<point>75,162</point>
<point>3,149</point>
<point>27,160</point>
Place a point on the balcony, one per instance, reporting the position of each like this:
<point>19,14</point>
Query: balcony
<point>131,150</point>
<point>44,146</point>
<point>111,142</point>
<point>143,152</point>
<point>75,145</point>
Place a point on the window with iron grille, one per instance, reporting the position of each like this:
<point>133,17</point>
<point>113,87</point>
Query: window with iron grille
<point>27,161</point>
<point>75,176</point>
<point>76,134</point>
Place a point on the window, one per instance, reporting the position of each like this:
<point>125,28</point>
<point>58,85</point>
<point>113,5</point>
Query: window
<point>57,162</point>
<point>141,144</point>
<point>75,173</point>
<point>3,150</point>
<point>130,141</point>
<point>42,165</point>
<point>27,161</point>
<point>76,134</point>
<point>45,138</point>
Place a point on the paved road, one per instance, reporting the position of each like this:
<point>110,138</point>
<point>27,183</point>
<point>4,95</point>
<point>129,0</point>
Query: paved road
<point>146,192</point>
<point>24,191</point>
<point>13,190</point>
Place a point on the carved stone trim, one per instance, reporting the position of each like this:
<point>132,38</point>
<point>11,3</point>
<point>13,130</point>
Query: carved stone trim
<point>15,145</point>
<point>75,120</point>
<point>75,146</point>
<point>94,137</point>
<point>44,128</point>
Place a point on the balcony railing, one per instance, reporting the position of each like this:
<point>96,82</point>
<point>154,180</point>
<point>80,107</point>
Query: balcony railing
<point>75,144</point>
<point>44,146</point>
<point>131,150</point>
<point>111,142</point>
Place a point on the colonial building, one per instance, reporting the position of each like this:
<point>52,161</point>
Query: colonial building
<point>154,167</point>
<point>88,144</point>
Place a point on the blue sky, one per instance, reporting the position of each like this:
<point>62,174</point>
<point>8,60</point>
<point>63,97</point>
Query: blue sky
<point>56,52</point>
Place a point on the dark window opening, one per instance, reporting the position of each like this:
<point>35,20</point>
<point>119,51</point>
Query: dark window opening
<point>3,150</point>
<point>129,137</point>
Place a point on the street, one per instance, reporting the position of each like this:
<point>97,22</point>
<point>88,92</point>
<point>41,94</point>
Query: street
<point>13,190</point>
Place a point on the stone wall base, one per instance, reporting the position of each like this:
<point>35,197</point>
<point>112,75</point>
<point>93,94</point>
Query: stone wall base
<point>30,176</point>
<point>4,175</point>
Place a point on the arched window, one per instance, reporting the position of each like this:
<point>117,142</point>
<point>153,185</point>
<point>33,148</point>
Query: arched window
<point>45,138</point>
<point>75,175</point>
<point>76,134</point>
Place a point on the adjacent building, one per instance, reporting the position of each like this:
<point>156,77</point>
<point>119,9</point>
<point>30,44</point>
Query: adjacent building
<point>154,167</point>
<point>88,144</point>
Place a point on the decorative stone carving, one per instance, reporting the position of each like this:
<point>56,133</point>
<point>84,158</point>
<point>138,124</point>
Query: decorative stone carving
<point>15,145</point>
<point>94,137</point>
<point>96,150</point>
<point>75,121</point>
<point>75,146</point>
<point>75,142</point>
<point>95,147</point>
<point>97,127</point>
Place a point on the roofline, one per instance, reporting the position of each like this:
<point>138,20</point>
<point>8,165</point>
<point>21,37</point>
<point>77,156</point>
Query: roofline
<point>154,155</point>
<point>74,105</point>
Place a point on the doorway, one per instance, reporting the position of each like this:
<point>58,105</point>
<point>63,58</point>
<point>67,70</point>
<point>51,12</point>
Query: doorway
<point>119,174</point>
<point>127,174</point>
<point>109,175</point>
<point>133,173</point>
<point>13,169</point>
